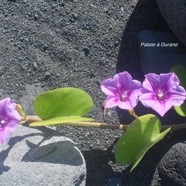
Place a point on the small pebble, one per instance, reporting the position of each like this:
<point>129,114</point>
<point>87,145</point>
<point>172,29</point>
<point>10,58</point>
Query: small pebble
<point>47,75</point>
<point>45,47</point>
<point>86,51</point>
<point>75,16</point>
<point>98,141</point>
<point>36,17</point>
<point>34,65</point>
<point>23,67</point>
<point>109,113</point>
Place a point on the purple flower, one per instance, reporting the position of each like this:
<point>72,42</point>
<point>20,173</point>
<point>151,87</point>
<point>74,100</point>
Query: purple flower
<point>9,119</point>
<point>121,91</point>
<point>161,92</point>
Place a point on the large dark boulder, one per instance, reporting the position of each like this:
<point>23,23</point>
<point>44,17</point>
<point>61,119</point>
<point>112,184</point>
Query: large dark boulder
<point>172,167</point>
<point>174,12</point>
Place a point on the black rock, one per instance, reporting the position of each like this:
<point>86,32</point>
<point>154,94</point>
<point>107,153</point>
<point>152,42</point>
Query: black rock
<point>172,167</point>
<point>115,181</point>
<point>174,13</point>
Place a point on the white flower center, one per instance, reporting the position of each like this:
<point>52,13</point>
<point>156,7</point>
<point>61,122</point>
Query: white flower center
<point>3,122</point>
<point>124,96</point>
<point>160,95</point>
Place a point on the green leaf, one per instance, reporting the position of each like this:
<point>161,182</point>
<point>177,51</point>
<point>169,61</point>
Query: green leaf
<point>181,110</point>
<point>59,121</point>
<point>139,137</point>
<point>62,102</point>
<point>181,73</point>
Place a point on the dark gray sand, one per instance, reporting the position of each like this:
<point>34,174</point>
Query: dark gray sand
<point>60,43</point>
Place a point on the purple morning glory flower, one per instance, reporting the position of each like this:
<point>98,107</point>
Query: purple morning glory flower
<point>161,92</point>
<point>9,119</point>
<point>121,91</point>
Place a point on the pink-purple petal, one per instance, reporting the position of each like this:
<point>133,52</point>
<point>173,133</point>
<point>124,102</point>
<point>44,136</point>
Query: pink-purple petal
<point>161,92</point>
<point>123,78</point>
<point>161,107</point>
<point>175,100</point>
<point>109,86</point>
<point>148,102</point>
<point>9,119</point>
<point>134,97</point>
<point>151,81</point>
<point>125,105</point>
<point>4,135</point>
<point>111,102</point>
<point>121,91</point>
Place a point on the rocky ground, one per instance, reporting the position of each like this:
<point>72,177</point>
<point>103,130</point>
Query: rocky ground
<point>46,44</point>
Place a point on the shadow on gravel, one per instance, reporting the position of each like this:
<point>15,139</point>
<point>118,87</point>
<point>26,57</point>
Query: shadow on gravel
<point>146,15</point>
<point>12,1</point>
<point>95,172</point>
<point>142,175</point>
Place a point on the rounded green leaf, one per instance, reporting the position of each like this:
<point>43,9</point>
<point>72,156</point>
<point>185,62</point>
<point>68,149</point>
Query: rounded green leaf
<point>62,102</point>
<point>181,73</point>
<point>181,110</point>
<point>139,137</point>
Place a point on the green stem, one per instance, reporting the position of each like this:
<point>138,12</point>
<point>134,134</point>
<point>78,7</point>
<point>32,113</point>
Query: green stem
<point>97,125</point>
<point>83,123</point>
<point>33,118</point>
<point>105,125</point>
<point>133,113</point>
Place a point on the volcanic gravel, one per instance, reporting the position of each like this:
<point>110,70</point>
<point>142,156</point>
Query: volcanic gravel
<point>47,44</point>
